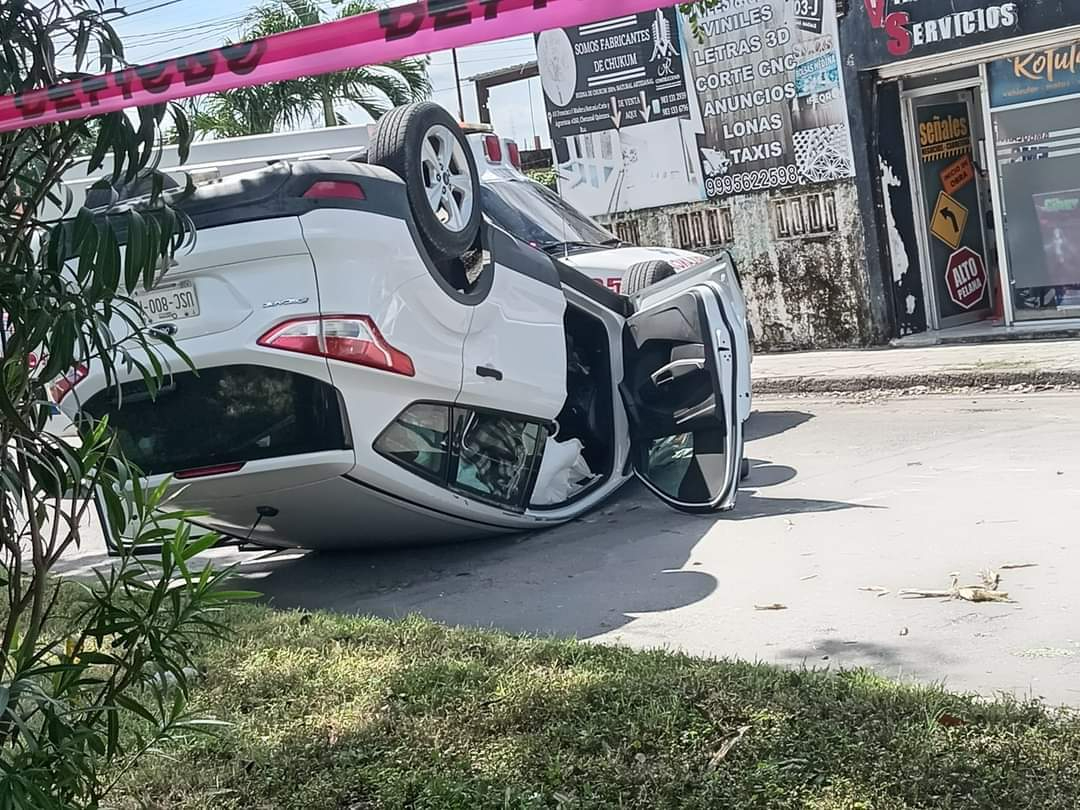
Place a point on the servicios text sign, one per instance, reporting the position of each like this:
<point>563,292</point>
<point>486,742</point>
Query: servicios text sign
<point>879,32</point>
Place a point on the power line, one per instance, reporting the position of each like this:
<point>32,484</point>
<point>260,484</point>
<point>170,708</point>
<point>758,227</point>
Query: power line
<point>151,8</point>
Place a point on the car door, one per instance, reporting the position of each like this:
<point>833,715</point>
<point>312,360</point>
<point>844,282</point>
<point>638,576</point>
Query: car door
<point>682,390</point>
<point>514,357</point>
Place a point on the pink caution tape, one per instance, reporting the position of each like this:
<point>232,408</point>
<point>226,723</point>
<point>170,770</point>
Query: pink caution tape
<point>366,39</point>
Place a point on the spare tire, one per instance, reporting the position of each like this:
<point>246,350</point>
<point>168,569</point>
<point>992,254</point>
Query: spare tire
<point>424,146</point>
<point>643,274</point>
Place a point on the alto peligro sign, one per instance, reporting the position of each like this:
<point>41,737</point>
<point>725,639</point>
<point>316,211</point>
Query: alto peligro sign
<point>381,36</point>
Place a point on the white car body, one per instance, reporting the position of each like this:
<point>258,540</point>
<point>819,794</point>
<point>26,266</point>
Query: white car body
<point>329,345</point>
<point>212,160</point>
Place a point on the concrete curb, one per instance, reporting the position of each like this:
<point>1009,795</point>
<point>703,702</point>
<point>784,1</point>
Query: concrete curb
<point>937,381</point>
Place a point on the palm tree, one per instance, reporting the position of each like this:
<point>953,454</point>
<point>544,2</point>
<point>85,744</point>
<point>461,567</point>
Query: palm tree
<point>290,104</point>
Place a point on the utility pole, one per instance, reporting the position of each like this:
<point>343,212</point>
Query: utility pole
<point>457,83</point>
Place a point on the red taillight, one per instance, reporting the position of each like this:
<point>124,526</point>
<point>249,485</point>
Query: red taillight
<point>334,190</point>
<point>515,155</point>
<point>62,386</point>
<point>203,472</point>
<point>493,148</point>
<point>348,338</point>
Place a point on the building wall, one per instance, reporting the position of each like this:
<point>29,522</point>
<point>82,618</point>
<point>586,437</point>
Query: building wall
<point>873,34</point>
<point>801,258</point>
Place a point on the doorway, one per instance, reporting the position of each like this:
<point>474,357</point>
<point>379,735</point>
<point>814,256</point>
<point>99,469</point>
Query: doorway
<point>952,200</point>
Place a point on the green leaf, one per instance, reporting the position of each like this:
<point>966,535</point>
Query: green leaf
<point>197,547</point>
<point>135,707</point>
<point>134,252</point>
<point>92,657</point>
<point>153,253</point>
<point>108,261</point>
<point>82,40</point>
<point>184,135</point>
<point>113,725</point>
<point>104,141</point>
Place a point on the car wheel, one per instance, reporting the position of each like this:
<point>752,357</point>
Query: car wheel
<point>642,274</point>
<point>423,145</point>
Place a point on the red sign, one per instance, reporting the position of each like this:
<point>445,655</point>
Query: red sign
<point>957,175</point>
<point>966,279</point>
<point>895,25</point>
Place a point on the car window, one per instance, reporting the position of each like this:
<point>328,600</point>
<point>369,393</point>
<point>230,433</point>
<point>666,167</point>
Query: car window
<point>537,215</point>
<point>222,415</point>
<point>493,457</point>
<point>690,467</point>
<point>419,439</point>
<point>497,456</point>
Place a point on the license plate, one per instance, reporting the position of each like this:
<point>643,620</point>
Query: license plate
<point>170,302</point>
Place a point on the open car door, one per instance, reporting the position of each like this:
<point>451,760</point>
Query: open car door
<point>681,389</point>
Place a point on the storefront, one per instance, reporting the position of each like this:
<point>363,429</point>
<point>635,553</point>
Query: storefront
<point>972,112</point>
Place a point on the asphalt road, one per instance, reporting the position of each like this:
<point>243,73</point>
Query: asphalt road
<point>844,494</point>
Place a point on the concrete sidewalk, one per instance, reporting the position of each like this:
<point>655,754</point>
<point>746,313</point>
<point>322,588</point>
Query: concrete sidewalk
<point>1049,363</point>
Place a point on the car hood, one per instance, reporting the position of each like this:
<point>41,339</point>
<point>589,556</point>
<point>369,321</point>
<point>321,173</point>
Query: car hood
<point>619,260</point>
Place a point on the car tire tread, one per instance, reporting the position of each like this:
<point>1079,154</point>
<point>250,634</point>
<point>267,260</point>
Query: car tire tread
<point>644,274</point>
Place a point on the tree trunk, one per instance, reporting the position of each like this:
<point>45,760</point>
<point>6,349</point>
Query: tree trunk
<point>329,114</point>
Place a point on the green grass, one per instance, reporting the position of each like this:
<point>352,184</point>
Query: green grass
<point>353,713</point>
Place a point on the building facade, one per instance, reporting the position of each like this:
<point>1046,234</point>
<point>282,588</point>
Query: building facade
<point>727,134</point>
<point>967,113</point>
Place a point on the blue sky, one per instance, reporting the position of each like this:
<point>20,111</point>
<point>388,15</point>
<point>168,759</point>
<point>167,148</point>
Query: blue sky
<point>192,25</point>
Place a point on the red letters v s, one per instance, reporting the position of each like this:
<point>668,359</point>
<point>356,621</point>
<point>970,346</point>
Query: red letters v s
<point>876,10</point>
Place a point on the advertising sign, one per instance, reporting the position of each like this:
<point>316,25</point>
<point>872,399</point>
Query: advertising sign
<point>620,112</point>
<point>613,73</point>
<point>768,83</point>
<point>951,192</point>
<point>1035,76</point>
<point>879,32</point>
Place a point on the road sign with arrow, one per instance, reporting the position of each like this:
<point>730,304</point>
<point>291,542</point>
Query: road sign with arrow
<point>949,220</point>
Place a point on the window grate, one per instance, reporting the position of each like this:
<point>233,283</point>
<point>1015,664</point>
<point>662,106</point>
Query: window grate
<point>627,230</point>
<point>707,228</point>
<point>805,215</point>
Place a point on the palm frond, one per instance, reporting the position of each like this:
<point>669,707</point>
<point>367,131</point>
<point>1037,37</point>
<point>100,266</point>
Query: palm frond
<point>295,103</point>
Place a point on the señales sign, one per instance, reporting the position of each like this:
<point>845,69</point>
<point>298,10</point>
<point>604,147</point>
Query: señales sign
<point>373,38</point>
<point>879,32</point>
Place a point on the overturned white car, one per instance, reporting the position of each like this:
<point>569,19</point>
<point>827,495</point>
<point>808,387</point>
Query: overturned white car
<point>379,362</point>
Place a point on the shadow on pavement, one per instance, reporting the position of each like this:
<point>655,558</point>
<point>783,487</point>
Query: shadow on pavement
<point>581,579</point>
<point>586,578</point>
<point>763,424</point>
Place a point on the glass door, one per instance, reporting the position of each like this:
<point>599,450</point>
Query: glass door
<point>1038,153</point>
<point>951,194</point>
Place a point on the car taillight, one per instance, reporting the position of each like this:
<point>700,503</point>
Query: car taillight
<point>62,386</point>
<point>335,190</point>
<point>493,148</point>
<point>515,155</point>
<point>348,338</point>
